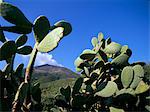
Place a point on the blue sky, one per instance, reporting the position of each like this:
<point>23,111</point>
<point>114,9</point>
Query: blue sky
<point>125,21</point>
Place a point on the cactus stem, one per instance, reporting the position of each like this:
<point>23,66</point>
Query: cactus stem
<point>28,73</point>
<point>29,68</point>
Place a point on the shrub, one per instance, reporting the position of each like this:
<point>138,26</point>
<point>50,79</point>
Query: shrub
<point>108,81</point>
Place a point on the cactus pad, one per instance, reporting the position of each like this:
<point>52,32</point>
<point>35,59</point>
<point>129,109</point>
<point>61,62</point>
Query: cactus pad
<point>51,40</point>
<point>41,28</point>
<point>109,90</point>
<point>25,50</point>
<point>112,48</point>
<point>13,15</point>
<point>21,40</point>
<point>7,50</point>
<point>127,76</point>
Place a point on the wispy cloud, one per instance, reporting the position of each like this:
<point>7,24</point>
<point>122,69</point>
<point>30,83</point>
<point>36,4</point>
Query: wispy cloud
<point>43,58</point>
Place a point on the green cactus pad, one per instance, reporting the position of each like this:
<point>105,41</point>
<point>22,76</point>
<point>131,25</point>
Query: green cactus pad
<point>67,27</point>
<point>135,81</point>
<point>51,40</point>
<point>41,28</point>
<point>100,36</point>
<point>2,36</point>
<point>94,41</point>
<point>112,48</point>
<point>120,60</point>
<point>113,109</point>
<point>127,76</point>
<point>141,88</point>
<point>109,90</point>
<point>13,15</point>
<point>124,49</point>
<point>25,50</point>
<point>125,91</point>
<point>7,50</point>
<point>66,92</point>
<point>138,70</point>
<point>21,40</point>
<point>88,54</point>
<point>138,74</point>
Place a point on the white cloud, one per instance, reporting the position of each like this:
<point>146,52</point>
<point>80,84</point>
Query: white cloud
<point>43,58</point>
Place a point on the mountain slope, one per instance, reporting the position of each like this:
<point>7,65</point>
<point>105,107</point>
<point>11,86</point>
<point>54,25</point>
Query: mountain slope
<point>47,73</point>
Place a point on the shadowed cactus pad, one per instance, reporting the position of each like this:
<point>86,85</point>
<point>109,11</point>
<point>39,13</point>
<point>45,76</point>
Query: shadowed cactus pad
<point>77,86</point>
<point>88,54</point>
<point>66,92</point>
<point>13,15</point>
<point>8,49</point>
<point>25,50</point>
<point>21,40</point>
<point>7,69</point>
<point>2,36</point>
<point>41,28</point>
<point>19,70</point>
<point>21,92</point>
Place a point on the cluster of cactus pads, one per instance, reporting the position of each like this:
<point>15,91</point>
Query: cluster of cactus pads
<point>17,92</point>
<point>108,81</point>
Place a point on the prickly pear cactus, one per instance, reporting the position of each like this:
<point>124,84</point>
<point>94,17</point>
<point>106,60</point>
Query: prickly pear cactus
<point>108,81</point>
<point>17,84</point>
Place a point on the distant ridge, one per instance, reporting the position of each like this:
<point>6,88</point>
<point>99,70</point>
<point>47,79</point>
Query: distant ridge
<point>46,73</point>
